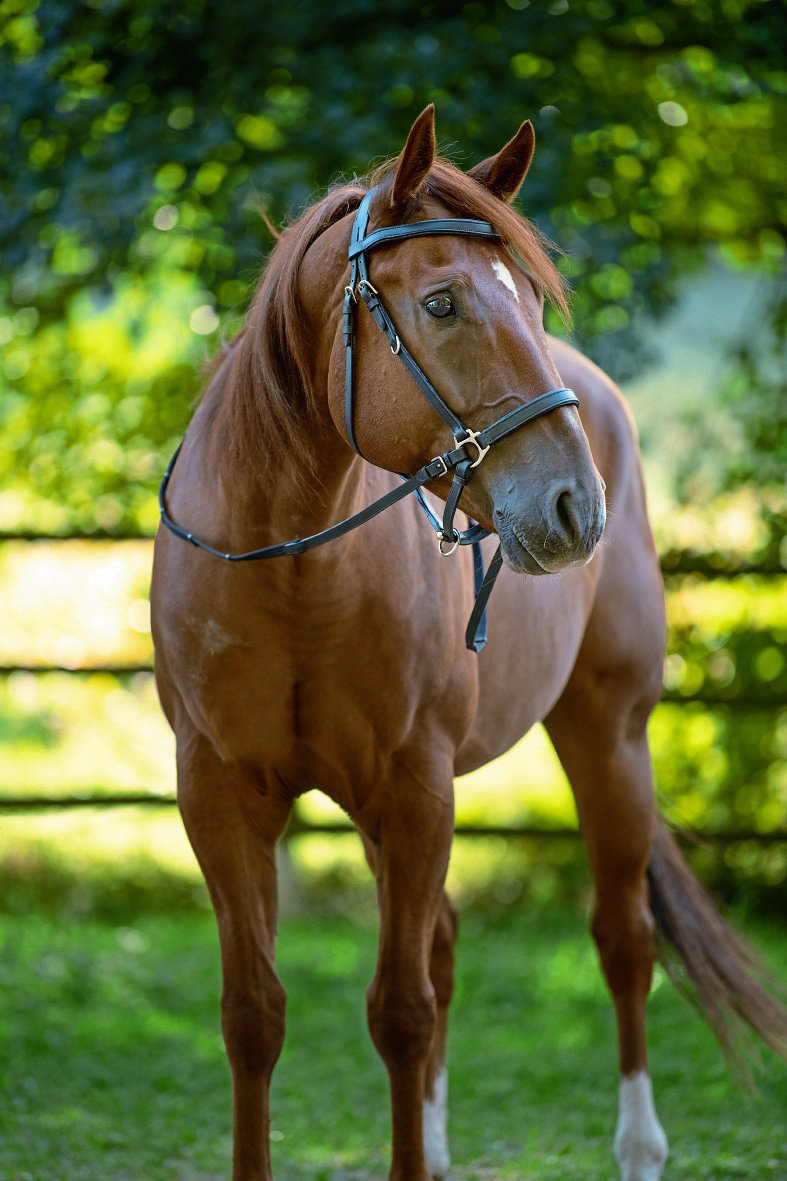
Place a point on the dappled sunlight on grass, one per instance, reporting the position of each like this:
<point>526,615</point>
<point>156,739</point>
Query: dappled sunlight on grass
<point>324,855</point>
<point>112,1063</point>
<point>93,838</point>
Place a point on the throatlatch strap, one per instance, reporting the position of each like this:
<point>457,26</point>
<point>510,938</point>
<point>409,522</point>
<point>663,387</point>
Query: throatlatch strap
<point>299,545</point>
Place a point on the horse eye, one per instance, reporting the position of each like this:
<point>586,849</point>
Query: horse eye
<point>441,307</point>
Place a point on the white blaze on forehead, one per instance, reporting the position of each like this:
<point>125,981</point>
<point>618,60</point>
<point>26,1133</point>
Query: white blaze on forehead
<point>504,275</point>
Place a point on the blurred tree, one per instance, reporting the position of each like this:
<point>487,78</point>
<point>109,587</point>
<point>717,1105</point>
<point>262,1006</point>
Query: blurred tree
<point>140,137</point>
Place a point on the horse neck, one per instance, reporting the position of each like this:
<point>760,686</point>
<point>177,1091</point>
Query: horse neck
<point>274,488</point>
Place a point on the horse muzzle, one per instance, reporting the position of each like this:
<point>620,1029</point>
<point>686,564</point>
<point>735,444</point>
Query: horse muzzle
<point>555,531</point>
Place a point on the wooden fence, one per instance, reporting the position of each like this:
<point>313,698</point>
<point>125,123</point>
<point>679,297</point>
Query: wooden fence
<point>674,563</point>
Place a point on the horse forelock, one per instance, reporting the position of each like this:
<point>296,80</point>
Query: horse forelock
<point>261,381</point>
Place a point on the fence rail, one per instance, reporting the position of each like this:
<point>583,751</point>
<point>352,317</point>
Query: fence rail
<point>763,700</point>
<point>673,562</point>
<point>299,826</point>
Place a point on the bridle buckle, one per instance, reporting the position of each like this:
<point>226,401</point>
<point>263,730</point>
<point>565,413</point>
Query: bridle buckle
<point>472,437</point>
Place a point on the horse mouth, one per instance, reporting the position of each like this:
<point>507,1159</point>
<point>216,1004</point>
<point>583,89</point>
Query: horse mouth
<point>518,550</point>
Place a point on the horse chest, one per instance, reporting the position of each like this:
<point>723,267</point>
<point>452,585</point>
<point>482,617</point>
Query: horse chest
<point>321,716</point>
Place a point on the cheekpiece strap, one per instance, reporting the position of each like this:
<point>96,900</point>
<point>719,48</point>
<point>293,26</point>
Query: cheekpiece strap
<point>359,285</point>
<point>357,272</point>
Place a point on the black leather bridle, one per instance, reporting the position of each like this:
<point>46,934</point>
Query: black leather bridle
<point>471,446</point>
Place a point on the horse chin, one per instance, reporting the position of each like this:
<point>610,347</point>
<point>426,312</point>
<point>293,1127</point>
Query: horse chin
<point>516,555</point>
<point>519,556</point>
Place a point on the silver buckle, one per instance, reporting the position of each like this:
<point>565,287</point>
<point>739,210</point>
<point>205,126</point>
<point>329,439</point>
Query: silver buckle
<point>472,437</point>
<point>439,459</point>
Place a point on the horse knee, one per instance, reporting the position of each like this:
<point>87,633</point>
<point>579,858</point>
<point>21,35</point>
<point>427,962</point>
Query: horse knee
<point>402,1019</point>
<point>252,1022</point>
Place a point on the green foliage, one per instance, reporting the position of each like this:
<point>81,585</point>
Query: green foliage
<point>143,137</point>
<point>721,754</point>
<point>756,393</point>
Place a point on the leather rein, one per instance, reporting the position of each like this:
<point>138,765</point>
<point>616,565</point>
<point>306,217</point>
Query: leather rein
<point>471,446</point>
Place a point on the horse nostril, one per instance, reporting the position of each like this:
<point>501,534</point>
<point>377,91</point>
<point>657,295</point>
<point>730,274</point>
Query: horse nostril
<point>573,517</point>
<point>564,515</point>
<point>564,511</point>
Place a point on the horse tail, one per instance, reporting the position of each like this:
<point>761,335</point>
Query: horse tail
<point>708,961</point>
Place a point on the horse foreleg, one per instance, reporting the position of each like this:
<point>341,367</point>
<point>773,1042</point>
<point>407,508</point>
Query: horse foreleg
<point>233,826</point>
<point>605,754</point>
<point>441,973</point>
<point>403,1001</point>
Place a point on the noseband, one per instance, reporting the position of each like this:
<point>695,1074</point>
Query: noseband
<point>471,446</point>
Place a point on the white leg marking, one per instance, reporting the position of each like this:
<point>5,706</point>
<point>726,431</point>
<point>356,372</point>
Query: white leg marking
<point>504,275</point>
<point>438,1159</point>
<point>640,1144</point>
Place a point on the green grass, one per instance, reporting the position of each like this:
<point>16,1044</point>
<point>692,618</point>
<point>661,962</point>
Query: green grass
<point>112,1064</point>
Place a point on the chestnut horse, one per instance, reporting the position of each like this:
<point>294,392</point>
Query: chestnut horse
<point>343,668</point>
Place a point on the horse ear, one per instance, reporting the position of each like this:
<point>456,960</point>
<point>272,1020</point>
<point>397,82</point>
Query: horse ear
<point>503,174</point>
<point>416,159</point>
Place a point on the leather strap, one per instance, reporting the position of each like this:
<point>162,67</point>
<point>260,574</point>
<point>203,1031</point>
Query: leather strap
<point>359,284</point>
<point>475,633</point>
<point>462,473</point>
<point>422,229</point>
<point>383,321</point>
<point>357,271</point>
<point>533,409</point>
<point>430,471</point>
<point>470,536</point>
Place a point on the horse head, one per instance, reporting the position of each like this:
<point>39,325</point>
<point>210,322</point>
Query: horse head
<point>470,315</point>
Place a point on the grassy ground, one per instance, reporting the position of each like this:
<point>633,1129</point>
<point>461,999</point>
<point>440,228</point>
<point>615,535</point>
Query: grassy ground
<point>113,1068</point>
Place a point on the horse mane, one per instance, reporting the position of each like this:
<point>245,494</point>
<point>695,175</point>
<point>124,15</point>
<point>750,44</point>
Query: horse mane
<point>260,383</point>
